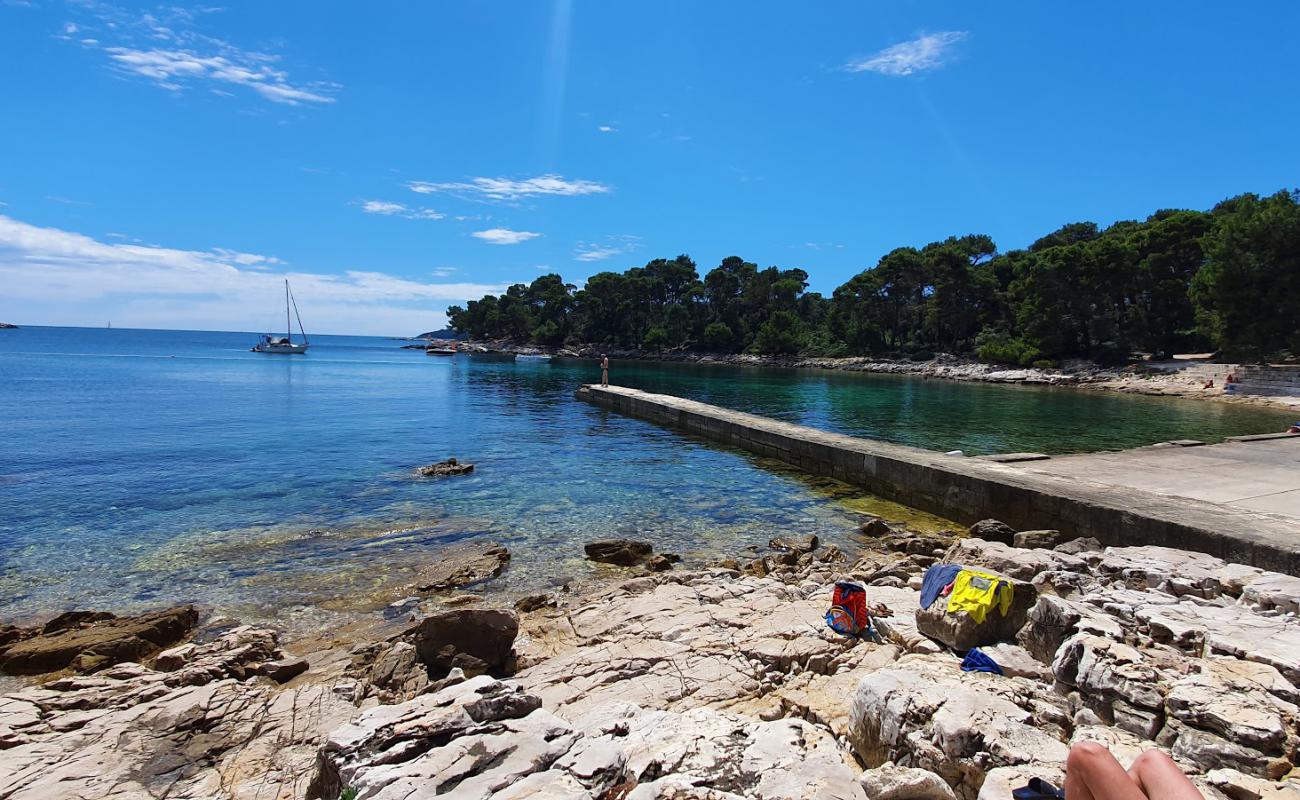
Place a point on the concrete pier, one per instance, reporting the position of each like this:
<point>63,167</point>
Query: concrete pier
<point>1025,496</point>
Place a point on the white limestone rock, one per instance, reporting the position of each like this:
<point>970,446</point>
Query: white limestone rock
<point>891,782</point>
<point>206,729</point>
<point>488,739</point>
<point>1019,563</point>
<point>925,712</point>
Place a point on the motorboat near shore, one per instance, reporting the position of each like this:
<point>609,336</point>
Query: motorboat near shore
<point>440,349</point>
<point>285,345</point>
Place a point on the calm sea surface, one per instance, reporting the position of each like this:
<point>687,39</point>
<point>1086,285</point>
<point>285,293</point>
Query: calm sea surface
<point>144,467</point>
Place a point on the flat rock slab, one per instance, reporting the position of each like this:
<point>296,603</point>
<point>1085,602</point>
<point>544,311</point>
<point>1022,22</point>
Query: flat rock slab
<point>488,740</point>
<point>462,564</point>
<point>90,641</point>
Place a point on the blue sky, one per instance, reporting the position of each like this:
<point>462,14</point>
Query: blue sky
<point>167,166</point>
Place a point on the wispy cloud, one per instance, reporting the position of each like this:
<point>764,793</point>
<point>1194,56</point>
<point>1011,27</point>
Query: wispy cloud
<point>391,209</point>
<point>926,52</point>
<point>166,48</point>
<point>67,201</point>
<point>63,278</point>
<point>608,248</point>
<point>505,189</point>
<point>607,129</point>
<point>504,236</point>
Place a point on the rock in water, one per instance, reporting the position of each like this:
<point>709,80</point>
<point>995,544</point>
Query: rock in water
<point>463,564</point>
<point>659,563</point>
<point>623,552</point>
<point>795,544</point>
<point>481,639</point>
<point>993,530</point>
<point>875,527</point>
<point>89,641</point>
<point>449,467</point>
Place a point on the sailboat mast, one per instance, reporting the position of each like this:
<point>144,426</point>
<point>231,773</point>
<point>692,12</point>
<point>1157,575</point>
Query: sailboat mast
<point>288,327</point>
<point>301,329</point>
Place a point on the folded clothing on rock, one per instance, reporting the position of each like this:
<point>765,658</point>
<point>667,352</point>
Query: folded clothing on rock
<point>936,578</point>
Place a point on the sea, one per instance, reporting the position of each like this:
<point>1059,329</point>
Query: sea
<point>140,468</point>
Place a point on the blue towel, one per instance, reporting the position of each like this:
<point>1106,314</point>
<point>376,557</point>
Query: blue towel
<point>937,577</point>
<point>975,661</point>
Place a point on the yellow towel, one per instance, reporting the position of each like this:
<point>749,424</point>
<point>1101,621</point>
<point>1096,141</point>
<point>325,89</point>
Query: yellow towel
<point>976,592</point>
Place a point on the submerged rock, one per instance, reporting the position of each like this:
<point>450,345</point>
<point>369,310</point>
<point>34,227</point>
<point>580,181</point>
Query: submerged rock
<point>534,602</point>
<point>88,641</point>
<point>442,468</point>
<point>660,563</point>
<point>462,564</point>
<point>622,552</point>
<point>795,544</point>
<point>876,527</point>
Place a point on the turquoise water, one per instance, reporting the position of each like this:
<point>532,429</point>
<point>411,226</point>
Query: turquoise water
<point>144,467</point>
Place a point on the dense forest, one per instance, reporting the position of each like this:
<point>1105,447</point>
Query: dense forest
<point>1226,280</point>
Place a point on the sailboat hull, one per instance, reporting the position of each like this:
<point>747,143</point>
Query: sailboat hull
<point>280,349</point>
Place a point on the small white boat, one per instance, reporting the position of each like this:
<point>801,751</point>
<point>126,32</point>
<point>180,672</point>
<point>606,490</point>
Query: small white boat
<point>433,350</point>
<point>279,344</point>
<point>284,345</point>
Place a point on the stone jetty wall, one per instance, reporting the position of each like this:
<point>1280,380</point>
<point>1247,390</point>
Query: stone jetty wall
<point>966,490</point>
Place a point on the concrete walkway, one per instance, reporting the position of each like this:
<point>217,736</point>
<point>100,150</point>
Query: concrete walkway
<point>1259,474</point>
<point>1078,501</point>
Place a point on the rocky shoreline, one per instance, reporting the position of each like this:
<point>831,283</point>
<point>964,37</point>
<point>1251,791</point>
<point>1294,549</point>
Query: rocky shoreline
<point>1075,374</point>
<point>722,682</point>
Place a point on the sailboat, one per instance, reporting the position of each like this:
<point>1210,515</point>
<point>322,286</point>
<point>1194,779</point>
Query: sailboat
<point>284,345</point>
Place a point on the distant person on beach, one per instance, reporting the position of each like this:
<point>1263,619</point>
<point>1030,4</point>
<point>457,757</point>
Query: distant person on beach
<point>604,370</point>
<point>1092,773</point>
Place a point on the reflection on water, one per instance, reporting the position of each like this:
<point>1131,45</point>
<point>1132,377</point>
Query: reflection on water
<point>144,467</point>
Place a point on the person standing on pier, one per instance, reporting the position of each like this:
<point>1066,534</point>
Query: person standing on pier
<point>604,369</point>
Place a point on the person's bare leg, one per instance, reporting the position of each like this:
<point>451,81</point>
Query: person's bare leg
<point>1092,773</point>
<point>1159,778</point>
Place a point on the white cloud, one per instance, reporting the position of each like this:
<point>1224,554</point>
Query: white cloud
<point>607,129</point>
<point>926,52</point>
<point>504,236</point>
<point>169,51</point>
<point>610,247</point>
<point>59,277</point>
<point>171,69</point>
<point>392,209</point>
<point>508,189</point>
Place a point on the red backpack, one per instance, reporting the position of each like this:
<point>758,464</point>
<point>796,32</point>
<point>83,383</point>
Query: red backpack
<point>848,612</point>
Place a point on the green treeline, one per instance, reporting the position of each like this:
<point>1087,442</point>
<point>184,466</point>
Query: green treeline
<point>1227,279</point>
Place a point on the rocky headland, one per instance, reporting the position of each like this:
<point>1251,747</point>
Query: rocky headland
<point>721,682</point>
<point>1159,380</point>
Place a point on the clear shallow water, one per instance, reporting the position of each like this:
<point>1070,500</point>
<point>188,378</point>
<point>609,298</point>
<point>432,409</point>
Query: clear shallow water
<point>146,467</point>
